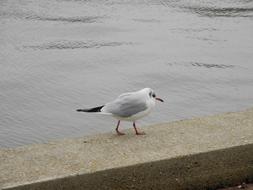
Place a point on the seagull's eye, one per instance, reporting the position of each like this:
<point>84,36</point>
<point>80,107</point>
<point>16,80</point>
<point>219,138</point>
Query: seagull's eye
<point>153,95</point>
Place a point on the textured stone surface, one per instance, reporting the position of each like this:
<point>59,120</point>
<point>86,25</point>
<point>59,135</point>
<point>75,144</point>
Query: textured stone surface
<point>89,156</point>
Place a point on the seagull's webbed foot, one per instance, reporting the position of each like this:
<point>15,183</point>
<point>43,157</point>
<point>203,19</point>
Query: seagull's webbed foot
<point>117,129</point>
<point>137,132</point>
<point>119,133</point>
<point>140,133</point>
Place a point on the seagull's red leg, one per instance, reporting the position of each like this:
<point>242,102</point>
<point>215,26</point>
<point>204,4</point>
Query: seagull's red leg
<point>136,131</point>
<point>117,129</point>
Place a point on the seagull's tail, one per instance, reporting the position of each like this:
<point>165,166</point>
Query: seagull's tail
<point>96,109</point>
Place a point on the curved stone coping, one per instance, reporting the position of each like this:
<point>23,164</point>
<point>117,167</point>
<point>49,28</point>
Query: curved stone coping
<point>180,154</point>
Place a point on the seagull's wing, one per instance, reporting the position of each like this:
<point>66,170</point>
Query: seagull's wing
<point>126,94</point>
<point>126,105</point>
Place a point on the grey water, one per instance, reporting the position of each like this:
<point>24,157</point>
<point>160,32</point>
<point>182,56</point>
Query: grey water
<point>60,55</point>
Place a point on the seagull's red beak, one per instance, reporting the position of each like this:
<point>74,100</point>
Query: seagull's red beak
<point>159,99</point>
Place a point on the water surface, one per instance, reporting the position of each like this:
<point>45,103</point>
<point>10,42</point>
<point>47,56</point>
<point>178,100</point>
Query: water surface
<point>59,55</point>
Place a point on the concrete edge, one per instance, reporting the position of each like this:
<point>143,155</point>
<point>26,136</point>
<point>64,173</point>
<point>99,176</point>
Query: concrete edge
<point>209,170</point>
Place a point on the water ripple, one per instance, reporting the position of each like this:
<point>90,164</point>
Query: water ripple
<point>73,45</point>
<point>86,19</point>
<point>146,20</point>
<point>222,12</point>
<point>28,15</point>
<point>199,64</point>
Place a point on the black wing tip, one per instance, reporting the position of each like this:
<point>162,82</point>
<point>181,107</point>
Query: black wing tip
<point>96,109</point>
<point>80,110</point>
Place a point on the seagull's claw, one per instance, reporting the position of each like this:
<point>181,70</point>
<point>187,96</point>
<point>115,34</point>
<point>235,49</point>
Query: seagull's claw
<point>140,133</point>
<point>120,133</point>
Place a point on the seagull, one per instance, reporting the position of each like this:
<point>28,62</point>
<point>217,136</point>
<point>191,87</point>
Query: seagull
<point>129,106</point>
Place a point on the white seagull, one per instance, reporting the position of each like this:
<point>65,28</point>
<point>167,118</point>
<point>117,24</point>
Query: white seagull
<point>129,106</point>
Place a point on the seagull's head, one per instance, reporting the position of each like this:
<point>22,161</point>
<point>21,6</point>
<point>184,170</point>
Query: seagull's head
<point>152,95</point>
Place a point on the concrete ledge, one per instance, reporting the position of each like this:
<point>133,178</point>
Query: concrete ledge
<point>202,153</point>
<point>210,170</point>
